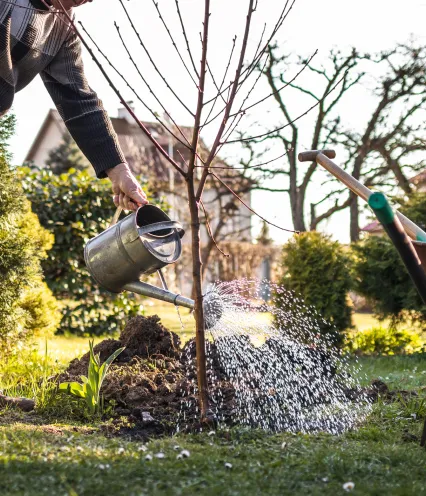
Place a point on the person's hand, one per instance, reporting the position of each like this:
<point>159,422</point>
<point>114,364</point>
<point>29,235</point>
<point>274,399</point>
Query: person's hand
<point>127,191</point>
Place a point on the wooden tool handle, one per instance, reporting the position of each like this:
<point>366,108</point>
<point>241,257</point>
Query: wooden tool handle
<point>310,155</point>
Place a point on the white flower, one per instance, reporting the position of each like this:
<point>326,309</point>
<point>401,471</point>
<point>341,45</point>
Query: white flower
<point>103,467</point>
<point>179,457</point>
<point>148,458</point>
<point>228,465</point>
<point>348,486</point>
<point>160,455</point>
<point>120,451</point>
<point>177,447</point>
<point>325,479</point>
<point>142,448</point>
<point>185,453</point>
<point>79,449</point>
<point>211,433</point>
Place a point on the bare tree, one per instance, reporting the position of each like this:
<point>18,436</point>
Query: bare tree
<point>384,153</point>
<point>339,71</point>
<point>231,99</point>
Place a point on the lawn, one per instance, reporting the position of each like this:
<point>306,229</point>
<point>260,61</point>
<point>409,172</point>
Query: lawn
<point>51,454</point>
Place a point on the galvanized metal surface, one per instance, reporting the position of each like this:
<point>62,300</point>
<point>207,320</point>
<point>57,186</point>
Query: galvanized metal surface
<point>127,250</point>
<point>151,291</point>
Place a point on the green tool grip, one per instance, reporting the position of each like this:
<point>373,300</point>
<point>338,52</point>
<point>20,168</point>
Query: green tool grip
<point>379,203</point>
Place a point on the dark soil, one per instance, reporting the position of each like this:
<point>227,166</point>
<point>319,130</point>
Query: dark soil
<point>151,385</point>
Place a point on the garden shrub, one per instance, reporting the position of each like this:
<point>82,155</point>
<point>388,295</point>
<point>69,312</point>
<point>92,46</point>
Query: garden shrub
<point>382,278</point>
<point>75,206</point>
<point>385,341</point>
<point>27,306</point>
<point>414,207</point>
<point>318,269</point>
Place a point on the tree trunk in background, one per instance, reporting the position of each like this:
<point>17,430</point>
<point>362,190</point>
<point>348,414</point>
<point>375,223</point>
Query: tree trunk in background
<point>297,209</point>
<point>354,218</point>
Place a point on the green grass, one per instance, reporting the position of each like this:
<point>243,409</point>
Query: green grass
<point>170,319</point>
<point>73,460</point>
<point>53,455</point>
<point>56,456</point>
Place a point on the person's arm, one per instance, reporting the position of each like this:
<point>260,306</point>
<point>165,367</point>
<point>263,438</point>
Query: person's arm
<point>88,122</point>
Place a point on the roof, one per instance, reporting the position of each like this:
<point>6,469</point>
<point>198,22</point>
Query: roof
<point>373,227</point>
<point>140,153</point>
<point>419,178</point>
<point>52,115</point>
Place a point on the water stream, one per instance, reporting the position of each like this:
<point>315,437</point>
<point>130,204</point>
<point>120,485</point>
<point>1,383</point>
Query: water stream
<point>271,367</point>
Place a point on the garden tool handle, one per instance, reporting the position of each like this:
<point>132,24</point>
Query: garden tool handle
<point>159,226</point>
<point>311,155</point>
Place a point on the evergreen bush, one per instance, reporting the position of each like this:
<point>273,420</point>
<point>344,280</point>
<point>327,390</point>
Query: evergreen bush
<point>75,206</point>
<point>381,277</point>
<point>27,306</point>
<point>318,269</point>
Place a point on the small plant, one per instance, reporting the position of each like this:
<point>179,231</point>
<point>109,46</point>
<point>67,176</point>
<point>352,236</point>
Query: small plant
<point>90,389</point>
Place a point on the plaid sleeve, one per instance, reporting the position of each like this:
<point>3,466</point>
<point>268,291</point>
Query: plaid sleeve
<point>80,108</point>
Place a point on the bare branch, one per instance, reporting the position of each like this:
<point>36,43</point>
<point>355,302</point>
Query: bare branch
<point>186,38</point>
<point>173,41</point>
<point>200,100</point>
<point>122,100</point>
<point>154,114</point>
<point>285,125</point>
<point>152,61</point>
<point>248,207</point>
<point>230,101</point>
<point>209,230</point>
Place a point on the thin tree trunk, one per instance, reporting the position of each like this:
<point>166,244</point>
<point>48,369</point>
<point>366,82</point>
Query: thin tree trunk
<point>200,340</point>
<point>354,218</point>
<point>297,209</point>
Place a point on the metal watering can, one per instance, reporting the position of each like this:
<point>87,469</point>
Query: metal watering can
<point>142,243</point>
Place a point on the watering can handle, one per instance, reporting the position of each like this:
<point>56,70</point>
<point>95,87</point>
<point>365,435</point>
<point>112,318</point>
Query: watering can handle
<point>159,226</point>
<point>115,217</point>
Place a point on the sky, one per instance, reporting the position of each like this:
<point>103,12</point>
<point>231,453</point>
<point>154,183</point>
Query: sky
<point>369,25</point>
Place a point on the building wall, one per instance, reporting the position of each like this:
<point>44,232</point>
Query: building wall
<point>51,139</point>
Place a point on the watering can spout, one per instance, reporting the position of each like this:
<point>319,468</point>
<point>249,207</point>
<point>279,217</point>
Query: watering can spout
<point>151,291</point>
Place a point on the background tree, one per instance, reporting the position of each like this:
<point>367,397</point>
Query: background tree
<point>27,306</point>
<point>413,206</point>
<point>325,85</point>
<point>385,153</point>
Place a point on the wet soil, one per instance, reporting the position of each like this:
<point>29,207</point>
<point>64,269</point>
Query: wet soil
<point>151,387</point>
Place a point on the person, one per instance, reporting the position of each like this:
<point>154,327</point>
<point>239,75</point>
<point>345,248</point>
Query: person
<point>36,38</point>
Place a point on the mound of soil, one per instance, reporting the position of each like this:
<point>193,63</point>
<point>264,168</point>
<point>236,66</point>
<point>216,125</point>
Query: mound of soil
<point>153,382</point>
<point>146,336</point>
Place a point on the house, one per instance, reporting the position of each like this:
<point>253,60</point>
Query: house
<point>145,161</point>
<point>375,228</point>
